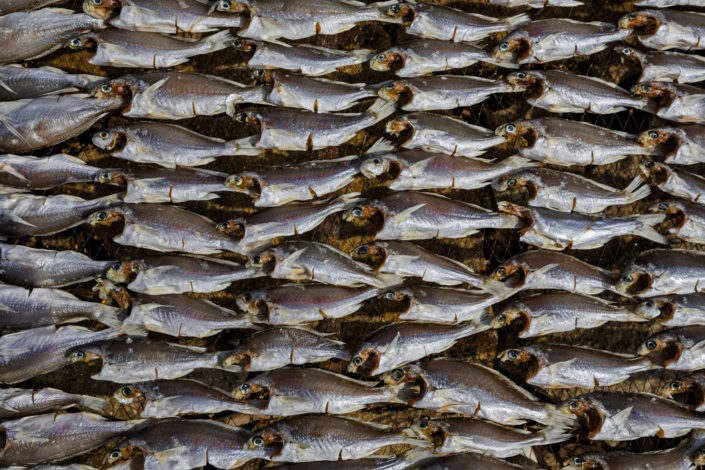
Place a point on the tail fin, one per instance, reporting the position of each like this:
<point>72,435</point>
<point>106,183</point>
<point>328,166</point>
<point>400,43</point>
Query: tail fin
<point>517,20</point>
<point>380,109</point>
<point>646,229</point>
<point>107,315</point>
<point>558,420</point>
<point>388,280</point>
<point>634,191</point>
<point>244,146</point>
<point>218,41</point>
<point>94,403</point>
<point>516,162</point>
<point>553,435</point>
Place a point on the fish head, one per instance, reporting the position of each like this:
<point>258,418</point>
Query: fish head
<point>362,211</point>
<point>123,451</point>
<point>107,290</point>
<point>662,349</point>
<point>521,81</point>
<point>111,177</point>
<point>129,394</point>
<point>107,217</point>
<point>511,275</point>
<point>380,165</point>
<point>662,91</point>
<point>107,139</point>
<point>430,430</point>
<point>641,22</point>
<point>397,294</point>
<point>582,462</point>
<point>522,212</point>
<point>243,183</point>
<point>655,308</point>
<point>628,52</point>
<point>116,87</point>
<point>263,75</point>
<point>512,49</point>
<point>122,272</point>
<point>247,118</point>
<point>513,182</point>
<point>264,261</point>
<point>655,137</point>
<point>507,316</point>
<point>101,9</point>
<point>412,381</point>
<point>249,391</point>
<point>519,133</point>
<point>699,458</point>
<point>399,126</point>
<point>243,45</point>
<point>82,355</point>
<point>80,42</point>
<point>234,227</point>
<point>254,302</point>
<point>634,282</point>
<point>370,253</point>
<point>585,411</point>
<point>678,387</point>
<point>366,360</point>
<point>659,173</point>
<point>401,10</point>
<point>516,356</point>
<point>231,6</point>
<point>393,91</point>
<point>238,358</point>
<point>384,61</point>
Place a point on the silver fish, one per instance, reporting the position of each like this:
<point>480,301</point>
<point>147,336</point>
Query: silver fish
<point>666,29</point>
<point>19,5</point>
<point>167,145</point>
<point>554,230</point>
<point>536,3</point>
<point>562,92</point>
<point>304,260</point>
<point>34,267</point>
<point>541,41</point>
<point>436,133</point>
<point>278,347</point>
<point>291,391</point>
<point>288,129</point>
<point>675,310</point>
<point>17,402</point>
<point>121,48</point>
<point>562,366</point>
<point>44,173</point>
<point>677,348</point>
<point>668,3</point>
<point>409,260</point>
<point>309,60</point>
<point>441,91</point>
<point>688,219</point>
<point>408,215</point>
<point>663,272</point>
<point>30,35</point>
<point>450,24</point>
<point>396,344</point>
<point>18,82</point>
<point>544,314</point>
<point>423,56</point>
<point>160,16</point>
<point>52,437</point>
<point>539,269</point>
<point>658,66</point>
<point>685,145</point>
<point>31,124</point>
<point>568,192</point>
<point>28,214</point>
<point>693,384</point>
<point>679,183</point>
<point>441,304</point>
<point>675,101</point>
<point>294,304</point>
<point>376,462</point>
<point>477,461</point>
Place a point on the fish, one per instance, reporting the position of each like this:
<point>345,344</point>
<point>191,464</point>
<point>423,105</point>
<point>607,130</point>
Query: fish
<point>675,101</point>
<point>34,34</point>
<point>37,351</point>
<point>178,95</point>
<point>557,312</point>
<point>141,49</point>
<point>477,461</point>
<point>128,360</point>
<point>537,3</point>
<point>171,398</point>
<point>444,134</point>
<point>397,344</point>
<point>170,274</point>
<point>53,437</point>
<point>431,21</point>
<point>18,402</point>
<point>313,94</point>
<point>24,5</point>
<point>290,129</point>
<point>281,184</point>
<point>540,269</point>
<point>45,172</point>
<point>675,310</point>
<point>622,416</point>
<point>313,261</point>
<point>688,219</point>
<point>667,3</point>
<point>562,92</point>
<point>568,192</point>
<point>548,40</point>
<point>181,444</point>
<point>685,144</point>
<point>660,66</point>
<point>689,186</point>
<point>679,348</point>
<point>564,142</point>
<point>663,272</point>
<point>29,214</point>
<point>278,347</point>
<point>34,123</point>
<point>666,29</point>
<point>33,267</point>
<point>376,462</point>
<point>18,82</point>
<point>409,260</point>
<point>553,366</point>
<point>292,391</point>
<point>440,92</point>
<point>455,435</point>
<point>424,56</point>
<point>442,304</point>
<point>183,315</point>
<point>270,20</point>
<point>554,230</point>
<point>159,16</point>
<point>311,438</point>
<point>31,308</point>
<point>306,59</point>
<point>692,386</point>
<point>295,304</point>
<point>473,390</point>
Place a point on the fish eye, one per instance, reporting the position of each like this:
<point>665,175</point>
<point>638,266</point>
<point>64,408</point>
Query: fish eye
<point>224,5</point>
<point>116,454</point>
<point>650,345</point>
<point>75,43</point>
<point>104,135</point>
<point>237,179</point>
<point>362,250</point>
<point>78,355</point>
<point>242,117</point>
<point>380,57</point>
<point>501,318</point>
<point>389,86</point>
<point>578,461</point>
<point>101,216</point>
<point>649,164</point>
<point>649,303</point>
<point>397,374</point>
<point>628,279</point>
<point>257,260</point>
<point>106,88</point>
<point>504,46</point>
<point>521,75</point>
<point>675,385</point>
<point>126,391</point>
<point>662,207</point>
<point>573,405</point>
<point>106,175</point>
<point>626,50</point>
<point>96,3</point>
<point>645,87</point>
<point>394,8</point>
<point>702,451</point>
<point>423,424</point>
<point>245,388</point>
<point>632,16</point>
<point>357,360</point>
<point>501,271</point>
<point>653,134</point>
<point>247,297</point>
<point>116,266</point>
<point>510,128</point>
<point>389,295</point>
<point>512,182</point>
<point>236,43</point>
<point>513,354</point>
<point>356,211</point>
<point>259,73</point>
<point>258,441</point>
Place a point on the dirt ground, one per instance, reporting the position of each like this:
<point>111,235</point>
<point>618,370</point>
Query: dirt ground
<point>482,251</point>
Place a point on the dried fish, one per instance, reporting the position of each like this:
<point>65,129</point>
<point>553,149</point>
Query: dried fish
<point>693,385</point>
<point>667,3</point>
<point>562,92</point>
<point>677,348</point>
<point>441,304</point>
<point>18,82</point>
<point>675,310</point>
<point>568,192</point>
<point>663,272</point>
<point>554,230</point>
<point>376,462</point>
<point>658,66</point>
<point>288,129</point>
<point>291,391</point>
<point>17,402</point>
<point>688,219</point>
<point>685,145</point>
<point>44,173</point>
<point>278,347</point>
<point>675,182</point>
<point>396,344</point>
<point>541,41</point>
<point>18,5</point>
<point>409,260</point>
<point>675,101</point>
<point>476,461</point>
<point>562,366</point>
<point>666,29</point>
<point>436,133</point>
<point>544,314</point>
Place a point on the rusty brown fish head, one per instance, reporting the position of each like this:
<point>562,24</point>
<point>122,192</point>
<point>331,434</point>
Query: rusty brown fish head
<point>108,139</point>
<point>363,211</point>
<point>129,395</point>
<point>271,441</point>
<point>121,452</point>
<point>111,177</point>
<point>251,392</point>
<point>699,458</point>
<point>264,260</point>
<point>255,303</point>
<point>243,45</point>
<point>662,349</point>
<point>401,10</point>
<point>583,462</point>
<point>642,23</point>
<point>398,126</point>
<point>657,172</point>
<point>234,227</point>
<point>414,384</point>
<point>434,431</point>
<point>508,316</point>
<point>366,362</point>
<point>395,91</point>
<point>586,412</point>
<point>397,295</point>
<point>116,87</point>
<point>80,42</point>
<point>628,53</point>
<point>104,218</point>
<point>512,50</point>
<point>108,291</point>
<point>680,387</point>
<point>518,134</point>
<point>238,358</point>
<point>82,355</point>
<point>655,137</point>
<point>246,118</point>
<point>263,76</point>
<point>381,167</point>
<point>511,275</point>
<point>122,272</point>
<point>522,212</point>
<point>243,184</point>
<point>370,254</point>
<point>662,93</point>
<point>521,81</point>
<point>513,183</point>
<point>633,283</point>
<point>231,6</point>
<point>101,9</point>
<point>656,309</point>
<point>384,61</point>
<point>527,363</point>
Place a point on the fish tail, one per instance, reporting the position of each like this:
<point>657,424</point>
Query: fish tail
<point>516,20</point>
<point>218,41</point>
<point>362,55</point>
<point>244,146</point>
<point>107,315</point>
<point>387,280</point>
<point>380,109</point>
<point>634,191</point>
<point>94,403</point>
<point>553,435</point>
<point>646,228</point>
<point>517,162</point>
<point>408,437</point>
<point>557,419</point>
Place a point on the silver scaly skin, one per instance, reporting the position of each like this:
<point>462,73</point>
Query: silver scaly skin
<point>45,172</point>
<point>666,29</point>
<point>17,402</point>
<point>660,66</point>
<point>663,272</point>
<point>442,304</point>
<point>678,348</point>
<point>18,82</point>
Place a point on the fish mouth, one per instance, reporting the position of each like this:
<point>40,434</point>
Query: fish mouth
<point>399,126</point>
<point>242,360</point>
<point>414,389</point>
<point>643,24</point>
<point>396,93</point>
<point>243,184</point>
<point>385,61</point>
<point>523,213</point>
